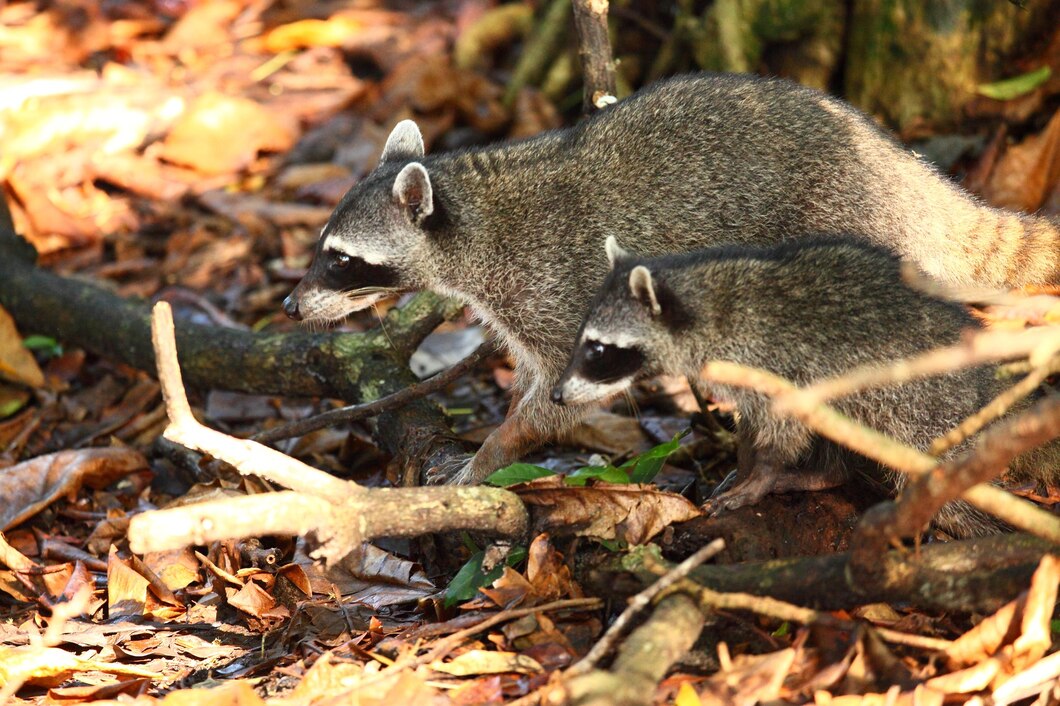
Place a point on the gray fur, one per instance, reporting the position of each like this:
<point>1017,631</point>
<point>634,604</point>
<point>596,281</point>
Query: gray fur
<point>805,310</point>
<point>405,143</point>
<point>517,228</point>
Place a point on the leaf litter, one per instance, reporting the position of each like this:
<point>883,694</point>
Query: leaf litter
<point>196,161</point>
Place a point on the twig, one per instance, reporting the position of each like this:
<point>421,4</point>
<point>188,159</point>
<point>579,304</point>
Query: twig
<point>246,456</point>
<point>447,644</point>
<point>926,495</point>
<point>340,515</point>
<point>1040,344</point>
<point>830,424</point>
<point>356,412</point>
<point>995,409</point>
<point>638,603</point>
<point>594,48</point>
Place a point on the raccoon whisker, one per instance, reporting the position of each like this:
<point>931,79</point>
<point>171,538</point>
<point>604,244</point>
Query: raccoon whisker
<point>382,325</point>
<point>632,402</point>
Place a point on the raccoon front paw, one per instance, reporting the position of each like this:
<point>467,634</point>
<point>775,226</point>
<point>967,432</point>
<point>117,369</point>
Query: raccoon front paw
<point>739,496</point>
<point>455,470</point>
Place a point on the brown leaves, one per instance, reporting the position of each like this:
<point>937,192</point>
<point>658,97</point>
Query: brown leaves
<point>1027,175</point>
<point>32,485</point>
<point>632,513</point>
<point>221,134</point>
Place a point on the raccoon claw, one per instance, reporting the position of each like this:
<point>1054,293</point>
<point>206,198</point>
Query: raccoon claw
<point>455,470</point>
<point>732,498</point>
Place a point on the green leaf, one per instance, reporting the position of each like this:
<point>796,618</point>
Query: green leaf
<point>517,473</point>
<point>1055,625</point>
<point>9,407</point>
<point>469,543</point>
<point>45,344</point>
<point>611,545</point>
<point>648,464</point>
<point>783,630</point>
<point>1016,86</point>
<point>608,474</point>
<point>470,578</point>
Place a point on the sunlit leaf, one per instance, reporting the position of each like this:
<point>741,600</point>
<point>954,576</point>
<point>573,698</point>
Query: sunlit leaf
<point>607,474</point>
<point>1016,86</point>
<point>648,464</point>
<point>517,473</point>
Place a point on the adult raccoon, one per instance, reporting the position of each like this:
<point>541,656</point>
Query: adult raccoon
<point>516,230</point>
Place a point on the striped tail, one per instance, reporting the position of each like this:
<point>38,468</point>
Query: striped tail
<point>1015,249</point>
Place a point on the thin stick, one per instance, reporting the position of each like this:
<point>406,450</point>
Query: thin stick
<point>638,603</point>
<point>995,409</point>
<point>1041,343</point>
<point>447,644</point>
<point>356,412</point>
<point>829,423</point>
<point>248,457</point>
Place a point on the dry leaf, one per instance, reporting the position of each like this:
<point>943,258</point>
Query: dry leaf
<point>1028,172</point>
<point>30,486</point>
<point>252,600</point>
<point>50,666</point>
<point>1035,635</point>
<point>126,588</point>
<point>475,662</point>
<point>303,34</point>
<point>632,513</point>
<point>547,573</point>
<point>17,364</point>
<point>608,433</point>
<point>221,134</point>
<point>236,693</point>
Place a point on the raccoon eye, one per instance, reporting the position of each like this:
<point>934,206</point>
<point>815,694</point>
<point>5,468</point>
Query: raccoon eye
<point>594,351</point>
<point>341,261</point>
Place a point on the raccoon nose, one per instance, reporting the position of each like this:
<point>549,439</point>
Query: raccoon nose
<point>557,394</point>
<point>290,307</point>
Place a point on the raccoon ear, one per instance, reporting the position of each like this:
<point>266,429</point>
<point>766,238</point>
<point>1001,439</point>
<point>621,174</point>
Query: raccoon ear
<point>614,251</point>
<point>412,189</point>
<point>405,143</point>
<point>643,289</point>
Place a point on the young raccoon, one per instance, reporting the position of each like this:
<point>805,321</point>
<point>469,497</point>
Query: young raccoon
<point>806,310</point>
<point>515,230</point>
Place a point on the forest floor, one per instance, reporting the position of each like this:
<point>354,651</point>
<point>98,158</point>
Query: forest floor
<point>190,153</point>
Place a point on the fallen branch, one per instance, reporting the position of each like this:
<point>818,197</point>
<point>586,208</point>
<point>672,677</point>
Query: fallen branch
<point>644,658</point>
<point>353,413</point>
<point>338,515</point>
<point>638,603</point>
<point>969,575</point>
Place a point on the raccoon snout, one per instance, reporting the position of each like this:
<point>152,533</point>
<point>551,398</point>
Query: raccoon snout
<point>557,395</point>
<point>290,307</point>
